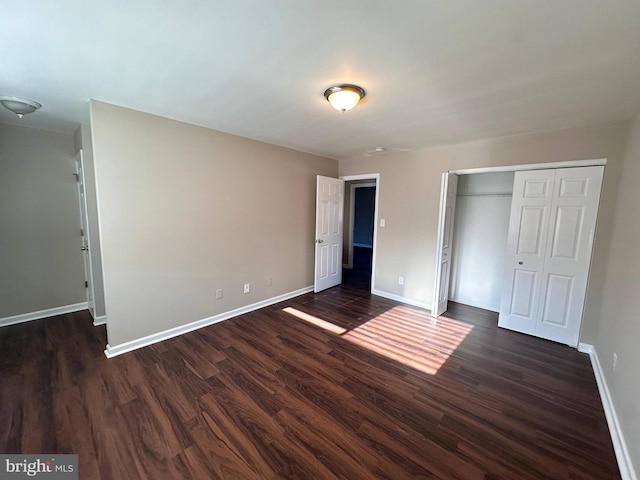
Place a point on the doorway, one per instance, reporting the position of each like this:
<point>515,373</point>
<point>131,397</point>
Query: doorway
<point>360,218</point>
<point>361,224</point>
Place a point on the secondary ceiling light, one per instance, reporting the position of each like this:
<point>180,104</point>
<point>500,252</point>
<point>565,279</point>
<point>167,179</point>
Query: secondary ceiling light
<point>19,106</point>
<point>344,97</point>
<point>378,151</point>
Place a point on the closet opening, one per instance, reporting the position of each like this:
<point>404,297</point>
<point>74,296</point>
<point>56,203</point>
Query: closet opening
<point>517,241</point>
<point>480,230</point>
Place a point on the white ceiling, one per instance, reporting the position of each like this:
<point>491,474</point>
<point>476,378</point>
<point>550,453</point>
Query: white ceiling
<point>435,71</point>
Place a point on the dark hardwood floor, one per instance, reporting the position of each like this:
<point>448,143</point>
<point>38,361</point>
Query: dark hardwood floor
<point>360,273</point>
<point>269,395</point>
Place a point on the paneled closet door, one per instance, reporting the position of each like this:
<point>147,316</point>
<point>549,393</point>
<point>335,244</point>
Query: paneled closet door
<point>445,238</point>
<point>553,216</point>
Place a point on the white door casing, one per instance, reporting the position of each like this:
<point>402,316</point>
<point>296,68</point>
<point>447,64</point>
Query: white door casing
<point>329,232</point>
<point>84,233</point>
<point>553,217</point>
<point>444,244</point>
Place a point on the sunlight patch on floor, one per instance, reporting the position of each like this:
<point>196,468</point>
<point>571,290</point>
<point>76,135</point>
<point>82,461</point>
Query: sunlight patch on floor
<point>423,343</point>
<point>318,322</point>
<point>402,334</point>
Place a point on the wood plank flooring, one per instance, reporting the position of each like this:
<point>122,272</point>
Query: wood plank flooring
<point>270,396</point>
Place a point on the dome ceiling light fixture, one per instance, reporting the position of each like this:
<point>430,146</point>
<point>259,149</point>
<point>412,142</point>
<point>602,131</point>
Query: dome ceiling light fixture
<point>19,106</point>
<point>344,97</point>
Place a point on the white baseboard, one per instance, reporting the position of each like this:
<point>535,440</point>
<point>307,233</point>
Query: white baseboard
<point>101,320</point>
<point>49,312</point>
<point>115,350</point>
<point>585,348</point>
<point>627,471</point>
<point>398,298</point>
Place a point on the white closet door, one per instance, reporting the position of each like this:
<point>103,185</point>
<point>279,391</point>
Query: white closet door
<point>445,238</point>
<point>526,248</point>
<point>569,244</point>
<point>553,216</point>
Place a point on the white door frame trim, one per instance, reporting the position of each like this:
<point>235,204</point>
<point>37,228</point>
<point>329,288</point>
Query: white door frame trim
<point>532,166</point>
<point>376,178</point>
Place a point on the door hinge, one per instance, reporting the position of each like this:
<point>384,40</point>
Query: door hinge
<point>86,284</point>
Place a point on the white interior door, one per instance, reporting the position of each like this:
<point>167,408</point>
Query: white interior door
<point>329,232</point>
<point>444,246</point>
<point>553,217</point>
<point>84,233</point>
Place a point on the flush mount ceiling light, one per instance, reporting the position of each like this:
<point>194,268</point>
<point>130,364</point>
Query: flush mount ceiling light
<point>344,97</point>
<point>378,151</point>
<point>19,106</point>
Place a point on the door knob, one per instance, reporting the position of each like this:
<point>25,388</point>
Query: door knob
<point>520,263</point>
<point>320,241</point>
<point>84,249</point>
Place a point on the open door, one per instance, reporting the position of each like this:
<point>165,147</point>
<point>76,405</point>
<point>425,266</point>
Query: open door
<point>329,232</point>
<point>443,248</point>
<point>84,233</point>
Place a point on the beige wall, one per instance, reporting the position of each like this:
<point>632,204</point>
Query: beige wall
<point>410,195</point>
<point>619,328</point>
<point>186,210</point>
<point>41,263</point>
<point>82,140</point>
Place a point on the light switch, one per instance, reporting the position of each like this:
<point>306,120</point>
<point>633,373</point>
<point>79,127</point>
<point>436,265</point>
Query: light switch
<point>382,222</point>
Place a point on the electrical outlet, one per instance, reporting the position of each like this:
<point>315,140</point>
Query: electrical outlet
<point>400,280</point>
<point>269,281</point>
<point>615,361</point>
<point>219,293</point>
<point>247,287</point>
